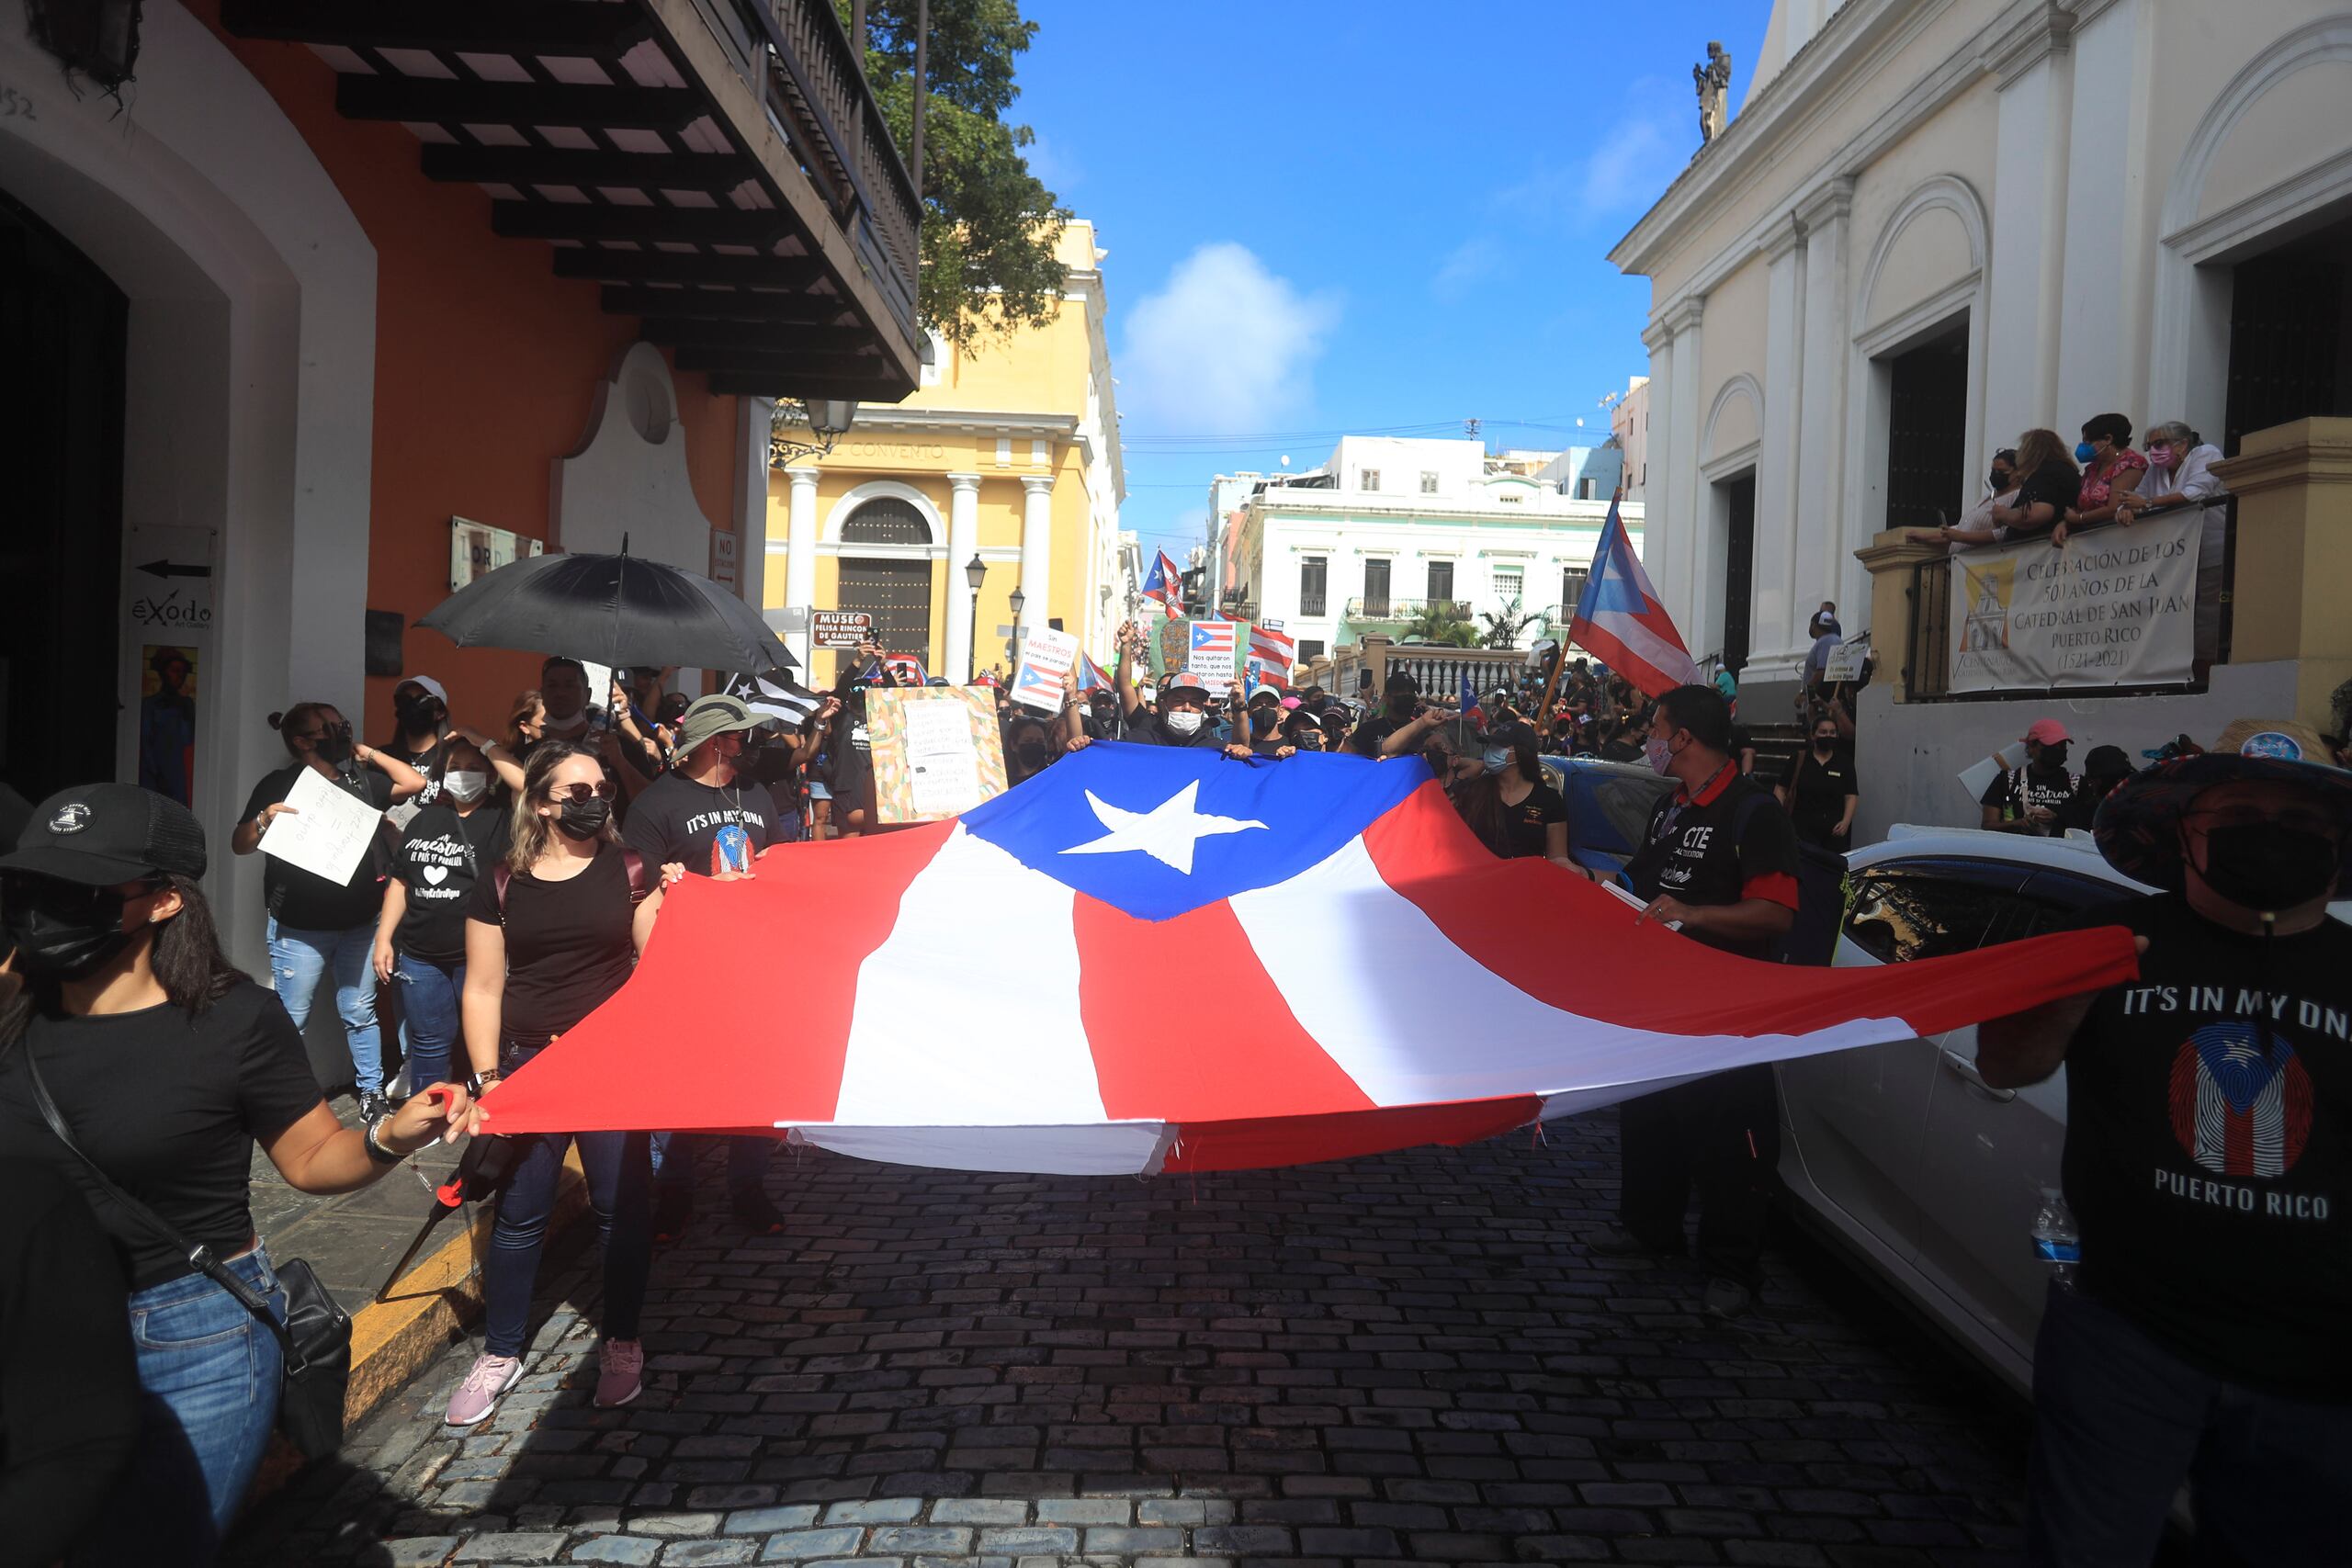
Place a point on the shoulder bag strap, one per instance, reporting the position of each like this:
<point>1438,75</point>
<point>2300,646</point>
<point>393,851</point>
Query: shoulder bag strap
<point>639,888</point>
<point>500,875</point>
<point>200,1257</point>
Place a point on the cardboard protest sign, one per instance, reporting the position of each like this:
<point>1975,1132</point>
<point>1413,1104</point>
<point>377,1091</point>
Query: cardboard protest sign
<point>937,751</point>
<point>1047,657</point>
<point>328,830</point>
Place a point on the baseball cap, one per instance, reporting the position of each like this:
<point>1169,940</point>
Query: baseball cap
<point>1264,690</point>
<point>1290,702</point>
<point>2046,732</point>
<point>428,683</point>
<point>2106,762</point>
<point>1184,680</point>
<point>713,715</point>
<point>1399,680</point>
<point>104,833</point>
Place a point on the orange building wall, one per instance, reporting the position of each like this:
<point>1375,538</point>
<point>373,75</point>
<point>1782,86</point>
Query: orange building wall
<point>486,370</point>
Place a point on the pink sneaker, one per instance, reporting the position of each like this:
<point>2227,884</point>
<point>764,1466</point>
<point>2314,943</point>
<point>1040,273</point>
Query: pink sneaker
<point>478,1396</point>
<point>621,1376</point>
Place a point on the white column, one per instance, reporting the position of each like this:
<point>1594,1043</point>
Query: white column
<point>1775,613</point>
<point>1036,547</point>
<point>800,553</point>
<point>1664,556</point>
<point>1687,516</point>
<point>963,543</point>
<point>752,502</point>
<point>2029,238</point>
<point>2101,344</point>
<point>1822,489</point>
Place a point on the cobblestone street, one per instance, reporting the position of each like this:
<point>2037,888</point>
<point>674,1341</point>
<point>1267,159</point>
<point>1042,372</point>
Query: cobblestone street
<point>1407,1358</point>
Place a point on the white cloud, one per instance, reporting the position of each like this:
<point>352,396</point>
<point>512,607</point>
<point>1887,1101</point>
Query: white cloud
<point>1645,147</point>
<point>1224,345</point>
<point>1477,258</point>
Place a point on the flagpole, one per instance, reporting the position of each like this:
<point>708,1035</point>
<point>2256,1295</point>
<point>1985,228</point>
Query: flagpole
<point>1560,654</point>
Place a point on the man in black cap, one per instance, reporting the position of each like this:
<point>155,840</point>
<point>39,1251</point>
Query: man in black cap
<point>2208,1167</point>
<point>2105,767</point>
<point>711,815</point>
<point>1400,704</point>
<point>1718,861</point>
<point>1183,720</point>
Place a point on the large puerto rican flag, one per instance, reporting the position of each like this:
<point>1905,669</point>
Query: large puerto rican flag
<point>1620,620</point>
<point>1155,959</point>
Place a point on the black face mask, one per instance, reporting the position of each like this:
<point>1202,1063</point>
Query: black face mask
<point>1032,753</point>
<point>334,744</point>
<point>2266,866</point>
<point>1824,746</point>
<point>64,929</point>
<point>2001,479</point>
<point>2052,756</point>
<point>584,819</point>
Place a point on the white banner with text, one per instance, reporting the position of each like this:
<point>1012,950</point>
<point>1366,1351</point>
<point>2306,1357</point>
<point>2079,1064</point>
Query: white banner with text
<point>2113,607</point>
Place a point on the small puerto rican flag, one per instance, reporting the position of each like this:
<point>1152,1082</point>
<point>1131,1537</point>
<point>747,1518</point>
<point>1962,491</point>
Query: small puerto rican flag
<point>1165,582</point>
<point>1213,647</point>
<point>1272,654</point>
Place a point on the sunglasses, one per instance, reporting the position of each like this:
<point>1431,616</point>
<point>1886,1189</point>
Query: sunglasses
<point>581,793</point>
<point>2295,819</point>
<point>67,901</point>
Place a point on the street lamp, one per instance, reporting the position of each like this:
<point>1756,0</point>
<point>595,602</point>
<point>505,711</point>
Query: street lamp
<point>827,419</point>
<point>975,570</point>
<point>1013,649</point>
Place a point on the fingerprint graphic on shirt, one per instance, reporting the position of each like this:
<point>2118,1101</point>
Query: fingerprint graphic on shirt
<point>2237,1111</point>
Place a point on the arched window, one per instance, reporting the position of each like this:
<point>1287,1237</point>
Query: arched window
<point>886,519</point>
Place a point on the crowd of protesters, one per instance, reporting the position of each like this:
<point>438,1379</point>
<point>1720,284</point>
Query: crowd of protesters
<point>517,876</point>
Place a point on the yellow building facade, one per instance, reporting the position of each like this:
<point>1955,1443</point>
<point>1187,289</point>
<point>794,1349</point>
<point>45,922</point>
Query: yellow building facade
<point>1008,454</point>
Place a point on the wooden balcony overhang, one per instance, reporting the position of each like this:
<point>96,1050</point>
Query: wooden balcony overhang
<point>718,166</point>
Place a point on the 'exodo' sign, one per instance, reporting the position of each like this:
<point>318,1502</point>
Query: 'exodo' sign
<point>2113,607</point>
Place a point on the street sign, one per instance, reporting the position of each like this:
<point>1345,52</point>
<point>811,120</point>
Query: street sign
<point>791,618</point>
<point>167,590</point>
<point>839,628</point>
<point>722,558</point>
<point>1272,626</point>
<point>477,549</point>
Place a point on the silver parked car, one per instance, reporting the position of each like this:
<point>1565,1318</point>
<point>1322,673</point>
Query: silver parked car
<point>1902,1151</point>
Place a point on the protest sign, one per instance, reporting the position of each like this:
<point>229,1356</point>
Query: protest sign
<point>839,628</point>
<point>937,751</point>
<point>328,830</point>
<point>1172,646</point>
<point>1845,662</point>
<point>1211,648</point>
<point>1977,777</point>
<point>1047,657</point>
<point>2113,607</point>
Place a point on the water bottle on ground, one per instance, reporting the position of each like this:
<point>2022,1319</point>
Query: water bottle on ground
<point>2056,1239</point>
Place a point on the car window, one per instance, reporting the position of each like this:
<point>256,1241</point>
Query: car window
<point>1898,914</point>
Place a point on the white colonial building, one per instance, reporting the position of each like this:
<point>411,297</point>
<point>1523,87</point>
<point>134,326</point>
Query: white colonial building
<point>1389,526</point>
<point>1937,223</point>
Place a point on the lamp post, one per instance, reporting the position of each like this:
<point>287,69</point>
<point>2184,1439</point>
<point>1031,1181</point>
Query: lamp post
<point>1013,649</point>
<point>975,570</point>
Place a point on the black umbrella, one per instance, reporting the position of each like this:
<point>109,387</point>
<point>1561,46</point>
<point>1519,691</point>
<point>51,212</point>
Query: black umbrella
<point>618,610</point>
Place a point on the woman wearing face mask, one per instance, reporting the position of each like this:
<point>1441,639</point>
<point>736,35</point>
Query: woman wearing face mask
<point>1820,794</point>
<point>316,927</point>
<point>1978,527</point>
<point>1028,748</point>
<point>1508,805</point>
<point>2111,469</point>
<point>420,934</point>
<point>165,1067</point>
<point>2047,485</point>
<point>2181,473</point>
<point>421,722</point>
<point>546,945</point>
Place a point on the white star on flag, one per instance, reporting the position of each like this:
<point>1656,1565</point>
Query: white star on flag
<point>1167,832</point>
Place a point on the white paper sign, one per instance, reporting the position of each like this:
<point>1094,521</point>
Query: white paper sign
<point>1047,656</point>
<point>1845,662</point>
<point>2112,607</point>
<point>1978,777</point>
<point>942,762</point>
<point>327,832</point>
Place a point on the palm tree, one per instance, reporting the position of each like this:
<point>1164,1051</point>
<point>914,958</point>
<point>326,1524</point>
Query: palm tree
<point>1504,626</point>
<point>1442,623</point>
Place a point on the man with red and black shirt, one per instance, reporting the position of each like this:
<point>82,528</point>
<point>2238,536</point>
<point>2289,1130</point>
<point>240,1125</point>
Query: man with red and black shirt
<point>1718,861</point>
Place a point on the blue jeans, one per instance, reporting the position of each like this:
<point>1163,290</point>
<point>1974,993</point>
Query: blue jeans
<point>429,994</point>
<point>207,1378</point>
<point>619,1190</point>
<point>298,958</point>
<point>2119,1422</point>
<point>747,1162</point>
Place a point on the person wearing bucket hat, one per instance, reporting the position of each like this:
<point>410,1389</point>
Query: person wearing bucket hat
<point>709,817</point>
<point>2028,799</point>
<point>2209,1165</point>
<point>167,1067</point>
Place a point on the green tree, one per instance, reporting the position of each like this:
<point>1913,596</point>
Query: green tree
<point>1504,626</point>
<point>1443,624</point>
<point>990,227</point>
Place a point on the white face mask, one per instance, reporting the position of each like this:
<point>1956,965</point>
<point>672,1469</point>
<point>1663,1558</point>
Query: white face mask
<point>467,785</point>
<point>1184,722</point>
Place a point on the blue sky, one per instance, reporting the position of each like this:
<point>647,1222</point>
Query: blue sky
<point>1327,216</point>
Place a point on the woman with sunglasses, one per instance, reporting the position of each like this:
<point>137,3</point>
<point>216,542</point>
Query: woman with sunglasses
<point>165,1067</point>
<point>317,927</point>
<point>545,943</point>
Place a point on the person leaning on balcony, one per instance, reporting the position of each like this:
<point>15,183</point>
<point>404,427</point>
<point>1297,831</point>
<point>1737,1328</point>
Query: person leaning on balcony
<point>2049,486</point>
<point>1977,526</point>
<point>2181,473</point>
<point>2110,470</point>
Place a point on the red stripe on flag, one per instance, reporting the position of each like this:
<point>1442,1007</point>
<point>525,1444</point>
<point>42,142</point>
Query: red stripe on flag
<point>1515,917</point>
<point>1267,1142</point>
<point>719,1028</point>
<point>1240,1053</point>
